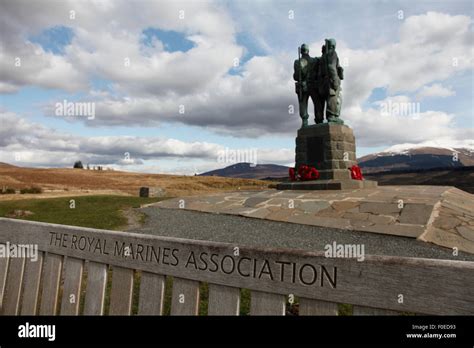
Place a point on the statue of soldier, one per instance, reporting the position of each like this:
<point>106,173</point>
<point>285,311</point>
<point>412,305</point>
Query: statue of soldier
<point>330,74</point>
<point>305,74</point>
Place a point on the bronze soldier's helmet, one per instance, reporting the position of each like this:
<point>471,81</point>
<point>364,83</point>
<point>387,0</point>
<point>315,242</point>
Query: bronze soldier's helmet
<point>304,49</point>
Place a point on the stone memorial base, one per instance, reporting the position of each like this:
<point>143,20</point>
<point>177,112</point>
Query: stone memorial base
<point>331,149</point>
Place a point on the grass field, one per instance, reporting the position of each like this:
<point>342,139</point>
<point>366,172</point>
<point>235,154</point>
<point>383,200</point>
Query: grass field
<point>69,182</point>
<point>104,212</point>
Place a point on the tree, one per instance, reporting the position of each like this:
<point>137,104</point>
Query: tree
<point>78,164</point>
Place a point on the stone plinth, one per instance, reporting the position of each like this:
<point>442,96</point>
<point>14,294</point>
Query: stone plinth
<point>330,148</point>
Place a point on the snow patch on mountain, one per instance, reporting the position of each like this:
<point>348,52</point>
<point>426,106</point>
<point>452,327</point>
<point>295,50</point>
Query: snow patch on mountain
<point>404,149</point>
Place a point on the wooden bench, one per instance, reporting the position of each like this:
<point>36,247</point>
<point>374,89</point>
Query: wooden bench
<point>70,277</point>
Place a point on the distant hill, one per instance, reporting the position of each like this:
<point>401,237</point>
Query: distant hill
<point>247,171</point>
<point>414,158</point>
<point>460,177</point>
<point>396,158</point>
<point>6,165</point>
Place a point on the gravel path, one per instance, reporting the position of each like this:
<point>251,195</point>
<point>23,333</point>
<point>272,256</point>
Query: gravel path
<point>256,232</point>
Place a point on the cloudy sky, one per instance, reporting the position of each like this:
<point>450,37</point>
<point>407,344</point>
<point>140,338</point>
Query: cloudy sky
<point>171,85</point>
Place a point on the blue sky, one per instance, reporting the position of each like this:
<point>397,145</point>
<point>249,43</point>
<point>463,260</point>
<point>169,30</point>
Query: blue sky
<point>395,51</point>
<point>53,39</point>
<point>172,41</point>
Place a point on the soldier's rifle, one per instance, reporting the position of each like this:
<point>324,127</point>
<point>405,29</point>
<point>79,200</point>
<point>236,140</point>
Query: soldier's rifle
<point>300,83</point>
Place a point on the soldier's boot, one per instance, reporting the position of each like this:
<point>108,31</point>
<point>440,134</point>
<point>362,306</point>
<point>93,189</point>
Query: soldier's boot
<point>304,121</point>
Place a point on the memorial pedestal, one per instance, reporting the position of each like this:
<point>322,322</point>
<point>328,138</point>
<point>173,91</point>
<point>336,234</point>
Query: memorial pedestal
<point>330,148</point>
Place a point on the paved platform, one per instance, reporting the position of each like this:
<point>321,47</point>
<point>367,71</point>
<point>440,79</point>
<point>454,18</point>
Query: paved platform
<point>242,231</point>
<point>437,214</point>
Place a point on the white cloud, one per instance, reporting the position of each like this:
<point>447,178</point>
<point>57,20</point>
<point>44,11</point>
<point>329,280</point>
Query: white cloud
<point>435,90</point>
<point>421,56</point>
<point>26,143</point>
<point>106,35</point>
<point>256,102</point>
<point>374,128</point>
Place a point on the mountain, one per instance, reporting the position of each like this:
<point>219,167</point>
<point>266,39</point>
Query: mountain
<point>460,177</point>
<point>6,165</point>
<point>405,157</point>
<point>409,157</point>
<point>248,171</point>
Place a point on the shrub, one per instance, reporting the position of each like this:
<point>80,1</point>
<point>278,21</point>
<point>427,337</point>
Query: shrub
<point>32,189</point>
<point>78,164</point>
<point>8,191</point>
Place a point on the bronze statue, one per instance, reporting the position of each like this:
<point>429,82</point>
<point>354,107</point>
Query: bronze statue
<point>330,75</point>
<point>305,77</point>
<point>320,79</point>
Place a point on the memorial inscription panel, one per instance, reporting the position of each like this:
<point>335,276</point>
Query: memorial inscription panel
<point>308,273</point>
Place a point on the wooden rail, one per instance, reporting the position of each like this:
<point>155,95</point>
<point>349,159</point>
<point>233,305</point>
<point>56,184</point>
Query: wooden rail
<point>67,255</point>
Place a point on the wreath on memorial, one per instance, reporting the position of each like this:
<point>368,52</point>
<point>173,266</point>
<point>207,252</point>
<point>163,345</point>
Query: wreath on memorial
<point>303,173</point>
<point>356,173</point>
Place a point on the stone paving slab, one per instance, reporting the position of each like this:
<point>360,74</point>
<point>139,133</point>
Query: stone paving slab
<point>438,214</point>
